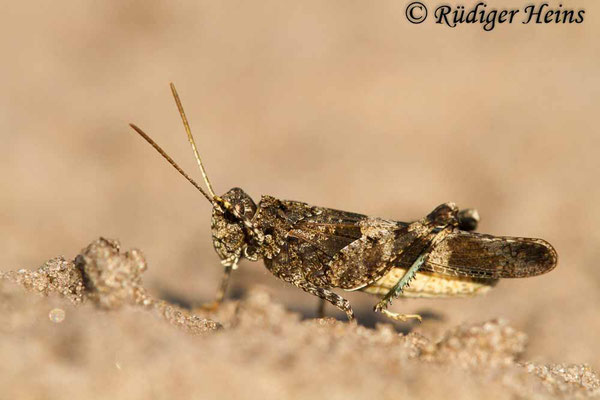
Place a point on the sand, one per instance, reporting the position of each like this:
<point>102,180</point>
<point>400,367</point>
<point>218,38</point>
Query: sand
<point>87,328</point>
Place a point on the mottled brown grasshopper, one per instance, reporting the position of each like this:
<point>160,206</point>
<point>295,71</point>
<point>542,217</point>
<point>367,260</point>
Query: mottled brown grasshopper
<point>318,249</point>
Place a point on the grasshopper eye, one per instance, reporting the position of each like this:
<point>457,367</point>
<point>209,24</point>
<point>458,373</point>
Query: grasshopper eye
<point>241,203</point>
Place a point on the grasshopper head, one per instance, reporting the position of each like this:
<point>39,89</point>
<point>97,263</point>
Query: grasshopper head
<point>230,237</point>
<point>232,213</point>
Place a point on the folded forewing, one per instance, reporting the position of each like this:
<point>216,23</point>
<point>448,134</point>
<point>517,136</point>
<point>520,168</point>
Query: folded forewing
<point>475,255</point>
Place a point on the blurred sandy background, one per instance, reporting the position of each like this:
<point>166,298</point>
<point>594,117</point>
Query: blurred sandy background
<point>341,104</point>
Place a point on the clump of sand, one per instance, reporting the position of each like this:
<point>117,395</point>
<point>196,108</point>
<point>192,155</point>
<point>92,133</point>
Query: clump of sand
<point>109,279</point>
<point>57,275</point>
<point>111,346</point>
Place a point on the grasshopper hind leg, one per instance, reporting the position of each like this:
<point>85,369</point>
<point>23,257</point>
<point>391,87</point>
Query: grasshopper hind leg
<point>468,219</point>
<point>401,317</point>
<point>408,276</point>
<point>399,287</point>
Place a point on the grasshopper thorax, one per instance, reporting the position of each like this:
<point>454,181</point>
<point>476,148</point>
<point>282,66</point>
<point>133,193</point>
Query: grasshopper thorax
<point>230,224</point>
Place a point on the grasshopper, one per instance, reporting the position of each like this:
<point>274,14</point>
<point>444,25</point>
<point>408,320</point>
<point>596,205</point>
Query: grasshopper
<point>319,249</point>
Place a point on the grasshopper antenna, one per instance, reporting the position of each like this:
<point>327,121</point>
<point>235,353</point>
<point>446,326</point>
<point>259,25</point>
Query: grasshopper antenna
<point>172,162</point>
<point>217,201</point>
<point>191,139</point>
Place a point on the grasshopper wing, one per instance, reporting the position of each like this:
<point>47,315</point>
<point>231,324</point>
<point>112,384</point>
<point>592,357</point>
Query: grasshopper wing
<point>475,255</point>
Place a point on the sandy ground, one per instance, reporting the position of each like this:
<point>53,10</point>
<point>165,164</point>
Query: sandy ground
<point>339,104</point>
<point>256,350</point>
